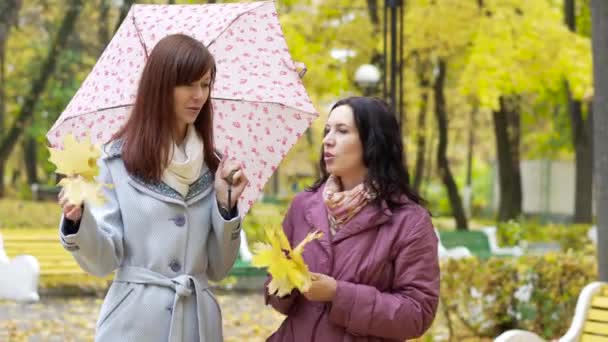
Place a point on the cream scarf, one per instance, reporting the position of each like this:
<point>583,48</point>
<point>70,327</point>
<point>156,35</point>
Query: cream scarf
<point>186,162</point>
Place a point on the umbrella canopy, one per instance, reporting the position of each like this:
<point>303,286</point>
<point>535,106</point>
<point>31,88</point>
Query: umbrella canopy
<point>260,104</point>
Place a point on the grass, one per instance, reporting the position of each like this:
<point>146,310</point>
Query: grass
<point>29,214</point>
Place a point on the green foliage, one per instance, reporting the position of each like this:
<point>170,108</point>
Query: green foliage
<point>536,293</point>
<point>260,217</point>
<point>482,175</point>
<point>570,237</point>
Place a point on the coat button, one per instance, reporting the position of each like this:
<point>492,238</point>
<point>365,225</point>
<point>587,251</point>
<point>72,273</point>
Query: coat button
<point>175,266</point>
<point>179,220</point>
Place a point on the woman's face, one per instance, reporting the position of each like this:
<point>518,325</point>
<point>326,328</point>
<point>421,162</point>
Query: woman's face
<point>190,98</point>
<point>343,150</point>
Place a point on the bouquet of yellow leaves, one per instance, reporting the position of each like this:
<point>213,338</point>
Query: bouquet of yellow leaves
<point>78,162</point>
<point>285,265</point>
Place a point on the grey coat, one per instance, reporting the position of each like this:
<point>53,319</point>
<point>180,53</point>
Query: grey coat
<point>164,247</point>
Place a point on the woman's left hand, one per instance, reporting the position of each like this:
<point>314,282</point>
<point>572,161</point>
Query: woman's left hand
<point>239,182</point>
<point>322,289</point>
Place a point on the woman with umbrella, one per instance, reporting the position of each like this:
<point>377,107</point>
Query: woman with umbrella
<point>170,221</point>
<point>375,269</point>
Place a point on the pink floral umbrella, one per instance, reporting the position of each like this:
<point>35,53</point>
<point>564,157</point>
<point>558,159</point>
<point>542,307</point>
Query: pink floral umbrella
<point>261,106</point>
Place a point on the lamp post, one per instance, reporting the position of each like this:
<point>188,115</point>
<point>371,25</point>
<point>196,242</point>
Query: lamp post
<point>367,77</point>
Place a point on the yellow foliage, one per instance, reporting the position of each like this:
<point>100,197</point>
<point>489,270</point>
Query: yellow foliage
<point>286,265</point>
<point>506,47</point>
<point>523,47</point>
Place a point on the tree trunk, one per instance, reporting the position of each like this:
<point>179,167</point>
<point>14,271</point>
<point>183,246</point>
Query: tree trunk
<point>583,145</point>
<point>468,193</point>
<point>599,24</point>
<point>372,9</point>
<point>424,84</point>
<point>103,32</point>
<point>430,166</point>
<point>2,110</point>
<point>582,142</point>
<point>443,164</point>
<point>30,154</point>
<point>507,132</point>
<point>9,10</point>
<point>124,10</point>
<point>48,66</point>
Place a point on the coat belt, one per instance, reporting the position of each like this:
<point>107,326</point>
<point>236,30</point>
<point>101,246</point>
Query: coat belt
<point>183,285</point>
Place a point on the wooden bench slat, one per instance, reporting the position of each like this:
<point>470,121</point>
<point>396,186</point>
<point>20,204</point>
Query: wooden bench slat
<point>40,253</point>
<point>596,328</point>
<point>600,302</point>
<point>55,273</point>
<point>38,240</point>
<point>598,315</point>
<point>593,338</point>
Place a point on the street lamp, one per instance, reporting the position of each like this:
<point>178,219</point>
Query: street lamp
<point>367,77</point>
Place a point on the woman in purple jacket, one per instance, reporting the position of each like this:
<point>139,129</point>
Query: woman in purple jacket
<point>375,270</point>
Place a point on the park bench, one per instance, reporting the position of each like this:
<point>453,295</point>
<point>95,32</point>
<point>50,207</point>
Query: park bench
<point>481,243</point>
<point>56,263</point>
<point>589,324</point>
<point>18,276</point>
<point>475,241</point>
<point>42,192</point>
<point>54,260</point>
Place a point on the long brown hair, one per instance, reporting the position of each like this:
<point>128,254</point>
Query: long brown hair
<point>175,60</point>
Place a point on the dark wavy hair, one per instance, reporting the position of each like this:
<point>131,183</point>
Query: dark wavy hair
<point>382,152</point>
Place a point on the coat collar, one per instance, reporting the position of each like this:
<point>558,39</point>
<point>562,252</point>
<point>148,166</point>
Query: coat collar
<point>160,190</point>
<point>371,216</point>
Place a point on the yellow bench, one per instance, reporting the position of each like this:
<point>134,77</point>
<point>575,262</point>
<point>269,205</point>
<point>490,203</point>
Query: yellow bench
<point>55,262</point>
<point>590,322</point>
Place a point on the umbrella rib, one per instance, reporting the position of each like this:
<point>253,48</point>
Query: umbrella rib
<point>262,3</point>
<point>96,110</point>
<point>139,37</point>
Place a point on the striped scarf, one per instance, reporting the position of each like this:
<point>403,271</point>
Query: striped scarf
<point>344,205</point>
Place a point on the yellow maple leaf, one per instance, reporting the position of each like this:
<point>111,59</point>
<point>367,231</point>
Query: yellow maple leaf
<point>78,189</point>
<point>78,162</point>
<point>286,265</point>
<point>76,158</point>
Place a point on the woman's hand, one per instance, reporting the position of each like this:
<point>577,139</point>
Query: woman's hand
<point>222,177</point>
<point>70,211</point>
<point>322,289</point>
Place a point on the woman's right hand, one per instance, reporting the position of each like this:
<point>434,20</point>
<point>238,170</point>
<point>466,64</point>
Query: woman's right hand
<point>70,211</point>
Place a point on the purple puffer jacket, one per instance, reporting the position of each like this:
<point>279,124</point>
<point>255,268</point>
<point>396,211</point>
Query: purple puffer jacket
<point>387,270</point>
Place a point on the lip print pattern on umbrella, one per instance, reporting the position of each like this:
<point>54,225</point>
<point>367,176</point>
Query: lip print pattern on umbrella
<point>261,106</point>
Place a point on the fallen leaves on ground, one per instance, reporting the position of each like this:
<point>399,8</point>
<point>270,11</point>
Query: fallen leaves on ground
<point>245,318</point>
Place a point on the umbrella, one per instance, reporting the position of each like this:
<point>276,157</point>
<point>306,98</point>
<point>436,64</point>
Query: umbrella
<point>261,106</point>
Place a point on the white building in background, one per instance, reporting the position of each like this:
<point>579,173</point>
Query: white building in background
<point>548,187</point>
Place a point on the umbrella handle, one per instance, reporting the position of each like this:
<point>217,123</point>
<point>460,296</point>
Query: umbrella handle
<point>300,68</point>
<point>229,179</point>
